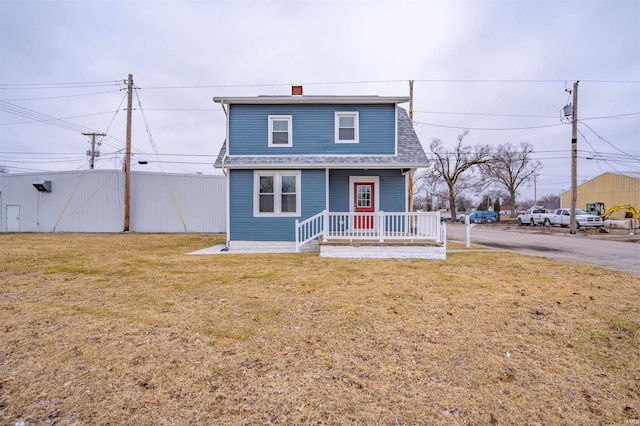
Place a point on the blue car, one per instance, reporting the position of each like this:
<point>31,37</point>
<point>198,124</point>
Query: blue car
<point>484,217</point>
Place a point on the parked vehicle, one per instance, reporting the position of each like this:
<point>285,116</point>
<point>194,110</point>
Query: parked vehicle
<point>630,220</point>
<point>562,217</point>
<point>534,216</point>
<point>445,216</point>
<point>484,217</point>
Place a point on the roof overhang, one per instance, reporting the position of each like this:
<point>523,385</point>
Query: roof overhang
<point>386,164</point>
<point>403,167</point>
<point>313,100</point>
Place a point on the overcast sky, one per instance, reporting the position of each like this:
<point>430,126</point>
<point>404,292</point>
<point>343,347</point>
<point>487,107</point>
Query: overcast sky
<point>497,68</point>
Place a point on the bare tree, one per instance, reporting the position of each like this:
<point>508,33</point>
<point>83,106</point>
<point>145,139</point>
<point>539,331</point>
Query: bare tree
<point>550,201</point>
<point>429,190</point>
<point>456,167</point>
<point>510,167</point>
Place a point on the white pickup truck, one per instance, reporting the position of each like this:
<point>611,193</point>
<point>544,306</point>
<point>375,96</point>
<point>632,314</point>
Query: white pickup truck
<point>562,217</point>
<point>533,216</point>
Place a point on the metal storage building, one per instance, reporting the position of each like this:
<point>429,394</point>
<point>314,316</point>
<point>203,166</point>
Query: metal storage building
<point>93,201</point>
<point>610,188</point>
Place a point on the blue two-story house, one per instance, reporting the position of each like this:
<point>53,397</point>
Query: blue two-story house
<point>309,171</point>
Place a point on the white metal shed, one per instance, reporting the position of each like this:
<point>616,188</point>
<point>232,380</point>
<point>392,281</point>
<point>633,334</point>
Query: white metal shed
<point>93,201</point>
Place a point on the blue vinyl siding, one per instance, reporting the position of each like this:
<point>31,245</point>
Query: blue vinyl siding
<point>245,227</point>
<point>392,189</point>
<point>313,129</point>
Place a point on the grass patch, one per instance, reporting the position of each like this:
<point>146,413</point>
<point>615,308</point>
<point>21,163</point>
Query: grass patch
<point>115,329</point>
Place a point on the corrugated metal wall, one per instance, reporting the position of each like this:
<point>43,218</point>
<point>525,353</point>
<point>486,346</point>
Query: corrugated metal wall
<point>609,188</point>
<point>93,201</point>
<point>178,203</point>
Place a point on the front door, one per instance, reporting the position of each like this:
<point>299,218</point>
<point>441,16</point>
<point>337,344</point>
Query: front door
<point>364,202</point>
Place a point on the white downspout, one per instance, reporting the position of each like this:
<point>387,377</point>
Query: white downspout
<point>228,178</point>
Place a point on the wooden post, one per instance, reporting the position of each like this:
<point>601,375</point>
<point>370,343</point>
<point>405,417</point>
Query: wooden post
<point>574,159</point>
<point>410,195</point>
<point>93,147</point>
<point>127,160</point>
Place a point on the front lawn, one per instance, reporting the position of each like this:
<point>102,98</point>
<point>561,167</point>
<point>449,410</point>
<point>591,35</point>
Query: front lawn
<point>127,329</point>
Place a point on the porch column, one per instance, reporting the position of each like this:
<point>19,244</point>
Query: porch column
<point>381,225</point>
<point>325,225</point>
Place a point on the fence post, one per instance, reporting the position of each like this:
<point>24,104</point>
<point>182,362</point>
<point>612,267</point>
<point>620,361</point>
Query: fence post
<point>444,234</point>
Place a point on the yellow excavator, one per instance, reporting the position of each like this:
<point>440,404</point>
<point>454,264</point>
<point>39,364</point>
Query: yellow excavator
<point>598,208</point>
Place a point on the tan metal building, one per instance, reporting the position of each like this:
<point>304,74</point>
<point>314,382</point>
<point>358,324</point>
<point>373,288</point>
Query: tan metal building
<point>610,188</point>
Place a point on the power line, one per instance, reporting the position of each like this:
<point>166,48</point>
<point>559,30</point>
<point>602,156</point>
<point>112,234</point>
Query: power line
<point>53,119</point>
<point>525,81</point>
<point>522,115</point>
<point>487,128</point>
<point>115,113</point>
<point>610,116</point>
<point>186,109</point>
<point>595,151</point>
<point>485,114</point>
<point>609,143</point>
<point>60,97</point>
<point>43,118</point>
<point>76,85</point>
<point>328,83</point>
<point>146,125</point>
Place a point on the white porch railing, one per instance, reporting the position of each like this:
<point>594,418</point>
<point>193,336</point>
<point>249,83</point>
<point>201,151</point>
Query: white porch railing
<point>376,226</point>
<point>309,229</point>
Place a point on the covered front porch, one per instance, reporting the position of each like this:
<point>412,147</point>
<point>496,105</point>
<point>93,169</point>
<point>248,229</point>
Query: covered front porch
<point>374,235</point>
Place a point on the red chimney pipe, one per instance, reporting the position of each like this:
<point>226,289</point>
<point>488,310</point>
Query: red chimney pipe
<point>296,90</point>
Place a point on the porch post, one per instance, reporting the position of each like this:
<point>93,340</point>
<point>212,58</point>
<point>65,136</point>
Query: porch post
<point>325,225</point>
<point>381,225</point>
<point>297,238</point>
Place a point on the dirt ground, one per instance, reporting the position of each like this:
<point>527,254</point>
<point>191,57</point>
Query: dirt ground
<point>607,233</point>
<point>127,329</point>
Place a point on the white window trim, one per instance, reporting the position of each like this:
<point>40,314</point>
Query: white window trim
<point>289,119</point>
<point>277,199</point>
<point>356,120</point>
<point>364,179</point>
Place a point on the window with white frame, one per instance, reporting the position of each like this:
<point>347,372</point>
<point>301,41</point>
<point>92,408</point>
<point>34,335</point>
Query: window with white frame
<point>347,128</point>
<point>280,130</point>
<point>276,193</point>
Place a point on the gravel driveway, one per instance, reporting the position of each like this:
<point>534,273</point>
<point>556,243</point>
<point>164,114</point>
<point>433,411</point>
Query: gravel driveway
<point>617,250</point>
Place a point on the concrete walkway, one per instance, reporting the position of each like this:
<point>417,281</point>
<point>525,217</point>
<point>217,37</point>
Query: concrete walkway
<point>218,249</point>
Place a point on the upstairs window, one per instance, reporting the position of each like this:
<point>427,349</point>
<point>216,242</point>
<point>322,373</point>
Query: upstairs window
<point>347,127</point>
<point>280,133</point>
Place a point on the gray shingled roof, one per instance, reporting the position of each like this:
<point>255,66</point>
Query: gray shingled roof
<point>410,155</point>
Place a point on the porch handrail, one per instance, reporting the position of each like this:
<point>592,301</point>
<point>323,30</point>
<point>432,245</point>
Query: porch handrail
<point>383,226</point>
<point>380,226</point>
<point>309,229</point>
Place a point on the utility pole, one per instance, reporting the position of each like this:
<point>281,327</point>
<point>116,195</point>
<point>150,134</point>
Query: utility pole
<point>93,152</point>
<point>411,120</point>
<point>127,160</point>
<point>574,158</point>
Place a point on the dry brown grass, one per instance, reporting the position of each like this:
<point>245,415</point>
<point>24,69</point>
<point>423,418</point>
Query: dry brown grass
<point>126,329</point>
